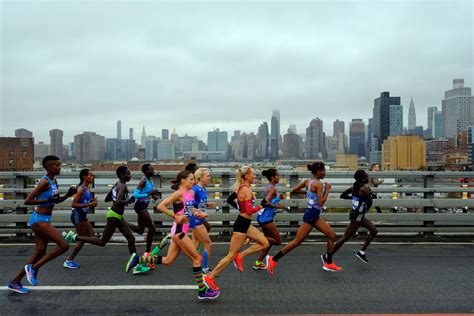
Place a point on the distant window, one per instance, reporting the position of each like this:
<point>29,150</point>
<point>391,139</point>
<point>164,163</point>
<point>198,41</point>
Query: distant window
<point>24,154</point>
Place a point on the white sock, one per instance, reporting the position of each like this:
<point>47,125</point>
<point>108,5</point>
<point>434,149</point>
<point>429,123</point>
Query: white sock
<point>362,252</point>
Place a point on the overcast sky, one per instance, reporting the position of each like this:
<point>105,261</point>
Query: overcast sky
<point>83,65</point>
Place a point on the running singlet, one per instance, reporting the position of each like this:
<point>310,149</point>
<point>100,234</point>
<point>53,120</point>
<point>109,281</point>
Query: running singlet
<point>311,196</point>
<point>53,191</point>
<point>247,206</point>
<point>186,207</point>
<point>200,202</point>
<point>360,206</point>
<point>267,214</point>
<point>85,199</point>
<point>114,193</point>
<point>142,195</point>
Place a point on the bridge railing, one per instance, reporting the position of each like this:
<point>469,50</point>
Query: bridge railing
<point>425,192</point>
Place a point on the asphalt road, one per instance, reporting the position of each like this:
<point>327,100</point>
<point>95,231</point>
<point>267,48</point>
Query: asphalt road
<point>400,278</point>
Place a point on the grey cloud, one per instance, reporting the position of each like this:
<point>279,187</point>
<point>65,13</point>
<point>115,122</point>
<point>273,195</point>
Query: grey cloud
<point>83,65</point>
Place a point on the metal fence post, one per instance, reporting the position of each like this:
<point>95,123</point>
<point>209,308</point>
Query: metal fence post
<point>428,182</point>
<point>20,183</point>
<point>158,182</point>
<point>225,177</point>
<point>294,180</point>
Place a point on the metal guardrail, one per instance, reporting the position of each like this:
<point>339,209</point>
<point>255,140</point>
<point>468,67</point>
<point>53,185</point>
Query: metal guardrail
<point>423,184</point>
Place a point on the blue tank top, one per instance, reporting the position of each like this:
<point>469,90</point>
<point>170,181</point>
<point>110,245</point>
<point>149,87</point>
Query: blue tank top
<point>86,198</point>
<point>52,191</point>
<point>267,214</point>
<point>144,191</point>
<point>311,196</point>
<point>200,198</point>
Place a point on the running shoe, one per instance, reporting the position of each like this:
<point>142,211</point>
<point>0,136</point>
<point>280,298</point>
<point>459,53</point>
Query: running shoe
<point>206,270</point>
<point>132,262</point>
<point>258,265</point>
<point>17,287</point>
<point>165,241</point>
<point>329,266</point>
<point>139,269</point>
<point>31,274</point>
<point>238,262</point>
<point>209,282</point>
<point>70,237</point>
<point>362,257</point>
<point>208,295</point>
<point>271,265</point>
<point>71,264</point>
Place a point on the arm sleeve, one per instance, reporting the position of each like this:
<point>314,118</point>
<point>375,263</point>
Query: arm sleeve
<point>246,206</point>
<point>346,195</point>
<point>138,195</point>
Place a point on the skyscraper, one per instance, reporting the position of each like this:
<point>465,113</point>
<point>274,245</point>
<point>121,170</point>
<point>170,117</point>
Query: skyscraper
<point>57,149</point>
<point>143,139</point>
<point>275,134</point>
<point>165,134</point>
<point>263,140</point>
<point>357,137</point>
<point>411,116</point>
<point>396,120</point>
<point>458,109</point>
<point>292,129</point>
<point>381,118</point>
<point>292,146</point>
<point>338,127</point>
<point>437,126</point>
<point>429,127</point>
<point>119,130</point>
<point>89,146</point>
<point>22,132</point>
<point>217,140</point>
<point>315,140</point>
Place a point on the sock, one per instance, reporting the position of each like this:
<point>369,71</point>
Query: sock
<point>278,256</point>
<point>328,257</point>
<point>157,260</point>
<point>197,271</point>
<point>200,248</point>
<point>204,258</point>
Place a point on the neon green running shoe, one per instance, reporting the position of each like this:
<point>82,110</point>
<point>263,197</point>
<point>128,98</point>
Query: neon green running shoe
<point>140,269</point>
<point>165,241</point>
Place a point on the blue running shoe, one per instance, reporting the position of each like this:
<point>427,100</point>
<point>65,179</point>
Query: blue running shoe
<point>132,262</point>
<point>31,274</point>
<point>208,295</point>
<point>17,287</point>
<point>71,264</point>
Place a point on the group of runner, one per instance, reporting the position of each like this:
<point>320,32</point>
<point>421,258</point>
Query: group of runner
<point>189,211</point>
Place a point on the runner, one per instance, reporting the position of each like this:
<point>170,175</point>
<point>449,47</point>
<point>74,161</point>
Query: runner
<point>317,194</point>
<point>119,194</point>
<point>183,207</point>
<point>45,195</point>
<point>361,197</point>
<point>266,215</point>
<point>242,229</point>
<point>81,202</point>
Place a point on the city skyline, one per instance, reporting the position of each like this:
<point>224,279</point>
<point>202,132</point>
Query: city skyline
<point>199,66</point>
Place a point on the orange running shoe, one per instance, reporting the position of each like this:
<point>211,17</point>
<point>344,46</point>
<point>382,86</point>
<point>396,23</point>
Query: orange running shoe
<point>331,267</point>
<point>238,262</point>
<point>209,282</point>
<point>270,264</point>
